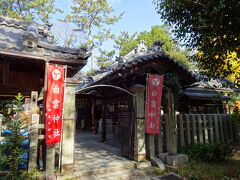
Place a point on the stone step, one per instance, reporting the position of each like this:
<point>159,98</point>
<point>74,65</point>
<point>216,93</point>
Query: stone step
<point>128,174</point>
<point>121,174</point>
<point>81,171</point>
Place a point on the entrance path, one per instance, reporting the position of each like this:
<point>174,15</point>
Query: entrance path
<point>92,154</point>
<point>95,160</point>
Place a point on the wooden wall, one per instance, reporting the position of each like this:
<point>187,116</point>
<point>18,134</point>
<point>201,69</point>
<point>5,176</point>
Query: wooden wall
<point>20,76</point>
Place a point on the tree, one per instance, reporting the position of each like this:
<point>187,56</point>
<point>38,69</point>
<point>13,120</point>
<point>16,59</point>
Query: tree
<point>28,10</point>
<point>121,40</point>
<point>210,27</point>
<point>11,149</point>
<point>91,18</point>
<point>65,35</point>
<point>105,58</point>
<point>170,45</point>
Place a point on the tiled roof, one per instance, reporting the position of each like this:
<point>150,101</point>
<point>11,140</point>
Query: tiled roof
<point>210,88</point>
<point>203,93</point>
<point>214,83</point>
<point>138,55</point>
<point>14,32</point>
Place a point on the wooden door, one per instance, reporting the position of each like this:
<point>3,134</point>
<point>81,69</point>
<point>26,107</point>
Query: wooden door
<point>127,128</point>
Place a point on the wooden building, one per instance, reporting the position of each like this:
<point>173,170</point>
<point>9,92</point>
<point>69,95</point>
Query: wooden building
<point>25,48</point>
<point>106,101</point>
<point>112,93</point>
<point>212,96</point>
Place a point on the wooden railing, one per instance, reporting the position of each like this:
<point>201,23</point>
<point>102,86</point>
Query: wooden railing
<point>205,128</point>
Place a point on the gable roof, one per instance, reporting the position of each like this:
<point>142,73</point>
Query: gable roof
<point>140,54</point>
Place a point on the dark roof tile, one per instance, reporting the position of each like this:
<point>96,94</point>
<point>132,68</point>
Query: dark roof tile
<point>12,32</point>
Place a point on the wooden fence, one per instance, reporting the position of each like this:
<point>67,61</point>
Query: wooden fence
<point>205,128</point>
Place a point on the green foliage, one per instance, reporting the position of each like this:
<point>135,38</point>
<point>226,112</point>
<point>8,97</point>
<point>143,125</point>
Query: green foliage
<point>92,72</point>
<point>172,82</point>
<point>105,58</point>
<point>197,170</point>
<point>210,27</point>
<point>28,10</point>
<point>208,152</point>
<point>235,118</point>
<point>122,39</point>
<point>91,17</point>
<point>12,150</point>
<point>170,46</point>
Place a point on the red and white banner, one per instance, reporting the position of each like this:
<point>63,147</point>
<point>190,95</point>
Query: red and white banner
<point>153,103</point>
<point>54,103</point>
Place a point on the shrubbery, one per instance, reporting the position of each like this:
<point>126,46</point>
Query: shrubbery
<point>208,152</point>
<point>11,149</point>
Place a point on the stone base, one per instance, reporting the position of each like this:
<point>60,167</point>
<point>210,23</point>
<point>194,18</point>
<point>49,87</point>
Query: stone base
<point>66,168</point>
<point>176,160</point>
<point>158,163</point>
<point>163,157</point>
<point>143,164</point>
<point>169,176</point>
<point>50,177</point>
<point>140,157</point>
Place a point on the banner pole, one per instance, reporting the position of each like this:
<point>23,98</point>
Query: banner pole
<point>146,95</point>
<point>60,150</point>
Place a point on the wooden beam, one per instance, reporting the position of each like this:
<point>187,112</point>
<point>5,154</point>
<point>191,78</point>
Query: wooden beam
<point>33,143</point>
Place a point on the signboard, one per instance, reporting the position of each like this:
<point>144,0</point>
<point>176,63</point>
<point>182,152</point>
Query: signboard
<point>54,103</point>
<point>153,103</point>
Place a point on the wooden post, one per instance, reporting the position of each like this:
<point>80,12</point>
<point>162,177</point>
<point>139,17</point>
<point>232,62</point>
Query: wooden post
<point>231,132</point>
<point>194,128</point>
<point>50,159</point>
<point>171,133</point>
<point>93,111</point>
<point>139,118</point>
<point>34,98</point>
<point>104,125</point>
<point>182,138</point>
<point>68,130</point>
<point>1,118</point>
<point>217,140</point>
<point>200,134</point>
<point>33,143</point>
<point>221,127</point>
<point>188,130</point>
<point>225,125</point>
<point>210,119</point>
<point>206,137</point>
<point>159,141</point>
<point>150,146</point>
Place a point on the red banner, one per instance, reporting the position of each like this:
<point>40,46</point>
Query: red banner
<point>54,103</point>
<point>153,103</point>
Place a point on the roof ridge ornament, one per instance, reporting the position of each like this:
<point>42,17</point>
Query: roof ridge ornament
<point>141,47</point>
<point>31,37</point>
<point>157,46</point>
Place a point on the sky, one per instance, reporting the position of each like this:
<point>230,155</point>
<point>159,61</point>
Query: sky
<point>139,16</point>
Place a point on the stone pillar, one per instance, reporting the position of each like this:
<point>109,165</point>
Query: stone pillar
<point>68,132</point>
<point>171,125</point>
<point>140,146</point>
<point>172,159</point>
<point>150,146</point>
